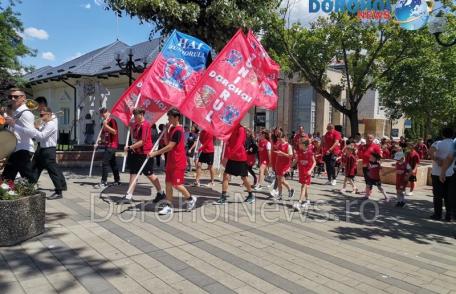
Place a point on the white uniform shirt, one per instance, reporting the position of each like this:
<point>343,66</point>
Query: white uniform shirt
<point>443,148</point>
<point>24,123</point>
<point>46,135</point>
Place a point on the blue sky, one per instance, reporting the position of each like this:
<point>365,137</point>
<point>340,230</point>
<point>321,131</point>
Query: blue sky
<point>61,30</point>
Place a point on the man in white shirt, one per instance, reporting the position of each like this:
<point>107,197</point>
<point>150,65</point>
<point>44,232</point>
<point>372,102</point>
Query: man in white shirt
<point>45,156</point>
<point>449,163</point>
<point>20,160</point>
<point>442,174</point>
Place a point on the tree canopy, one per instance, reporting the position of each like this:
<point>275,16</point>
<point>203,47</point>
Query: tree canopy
<point>214,21</point>
<point>11,46</point>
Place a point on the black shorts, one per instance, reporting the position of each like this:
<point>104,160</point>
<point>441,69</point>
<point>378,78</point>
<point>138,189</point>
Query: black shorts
<point>350,177</point>
<point>371,183</point>
<point>236,168</point>
<point>135,161</point>
<point>412,179</point>
<point>207,158</point>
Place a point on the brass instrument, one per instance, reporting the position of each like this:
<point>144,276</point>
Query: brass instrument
<point>31,104</point>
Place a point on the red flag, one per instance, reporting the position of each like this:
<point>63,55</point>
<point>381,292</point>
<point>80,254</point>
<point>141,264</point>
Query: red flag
<point>226,91</point>
<point>267,71</point>
<point>154,107</point>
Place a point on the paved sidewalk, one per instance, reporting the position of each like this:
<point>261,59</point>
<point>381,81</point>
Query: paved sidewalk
<point>340,245</point>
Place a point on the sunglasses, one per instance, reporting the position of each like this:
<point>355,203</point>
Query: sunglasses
<point>14,97</point>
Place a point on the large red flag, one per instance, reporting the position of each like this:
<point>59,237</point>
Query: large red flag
<point>176,69</point>
<point>267,71</point>
<point>227,90</point>
<point>154,107</point>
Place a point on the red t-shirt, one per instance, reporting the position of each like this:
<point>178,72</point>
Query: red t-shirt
<point>263,153</point>
<point>207,142</point>
<point>274,147</point>
<point>141,131</point>
<point>365,151</point>
<point>110,140</point>
<point>177,158</point>
<point>374,171</point>
<point>235,149</point>
<point>386,153</point>
<point>401,179</point>
<point>351,165</point>
<point>283,163</point>
<point>329,139</point>
<point>412,158</point>
<point>305,160</point>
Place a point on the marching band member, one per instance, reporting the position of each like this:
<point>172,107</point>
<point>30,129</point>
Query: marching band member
<point>20,160</point>
<point>206,156</point>
<point>45,155</point>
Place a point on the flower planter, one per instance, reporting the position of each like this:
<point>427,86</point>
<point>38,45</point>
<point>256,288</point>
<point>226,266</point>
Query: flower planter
<point>22,219</point>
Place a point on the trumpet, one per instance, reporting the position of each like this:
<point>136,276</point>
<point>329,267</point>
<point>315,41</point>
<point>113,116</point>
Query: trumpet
<point>31,104</point>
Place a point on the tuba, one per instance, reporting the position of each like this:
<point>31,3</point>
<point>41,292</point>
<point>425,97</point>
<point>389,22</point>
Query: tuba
<point>31,104</point>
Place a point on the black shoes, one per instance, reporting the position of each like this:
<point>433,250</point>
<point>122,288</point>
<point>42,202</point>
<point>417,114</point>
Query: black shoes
<point>55,195</point>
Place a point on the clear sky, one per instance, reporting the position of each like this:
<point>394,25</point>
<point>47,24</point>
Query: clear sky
<point>61,30</point>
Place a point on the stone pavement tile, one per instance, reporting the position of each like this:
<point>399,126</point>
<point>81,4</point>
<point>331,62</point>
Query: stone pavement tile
<point>223,277</point>
<point>369,289</point>
<point>187,288</point>
<point>156,285</point>
<point>438,258</point>
<point>248,290</point>
<point>64,282</point>
<point>158,269</point>
<point>11,288</point>
<point>41,289</point>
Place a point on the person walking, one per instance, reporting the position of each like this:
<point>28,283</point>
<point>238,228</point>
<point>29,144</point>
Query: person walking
<point>331,148</point>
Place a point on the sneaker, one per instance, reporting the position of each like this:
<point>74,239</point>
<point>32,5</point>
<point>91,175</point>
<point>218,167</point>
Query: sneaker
<point>101,186</point>
<point>274,193</point>
<point>278,197</point>
<point>409,194</point>
<point>126,199</point>
<point>333,182</point>
<point>191,203</point>
<point>117,183</point>
<point>435,217</point>
<point>355,191</point>
<point>250,199</point>
<point>328,183</point>
<point>210,185</point>
<point>291,193</point>
<point>297,206</point>
<point>343,190</point>
<point>402,204</point>
<point>196,184</point>
<point>160,196</point>
<point>167,210</point>
<point>220,201</point>
<point>306,204</point>
<point>54,196</point>
<point>257,188</point>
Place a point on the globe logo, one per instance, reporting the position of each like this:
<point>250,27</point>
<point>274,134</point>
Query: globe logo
<point>411,14</point>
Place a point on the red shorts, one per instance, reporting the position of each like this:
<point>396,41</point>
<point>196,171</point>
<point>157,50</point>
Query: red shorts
<point>401,182</point>
<point>280,171</point>
<point>175,176</point>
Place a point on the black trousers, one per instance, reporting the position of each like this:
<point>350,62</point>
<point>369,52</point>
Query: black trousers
<point>330,160</point>
<point>250,170</point>
<point>45,159</point>
<point>442,195</point>
<point>109,160</point>
<point>19,162</point>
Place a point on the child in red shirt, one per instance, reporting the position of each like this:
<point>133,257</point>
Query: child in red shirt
<point>306,163</point>
<point>402,174</point>
<point>284,155</point>
<point>412,159</point>
<point>374,168</point>
<point>351,165</point>
<point>175,164</point>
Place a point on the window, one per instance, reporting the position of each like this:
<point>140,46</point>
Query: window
<point>330,114</point>
<point>64,116</point>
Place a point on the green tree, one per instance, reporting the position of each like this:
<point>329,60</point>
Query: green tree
<point>11,46</point>
<point>366,50</point>
<point>214,21</point>
<point>423,88</point>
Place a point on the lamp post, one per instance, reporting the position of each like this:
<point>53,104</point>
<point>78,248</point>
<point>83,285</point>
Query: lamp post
<point>128,66</point>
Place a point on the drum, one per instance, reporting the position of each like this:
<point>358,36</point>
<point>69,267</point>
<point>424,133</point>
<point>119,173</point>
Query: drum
<point>8,143</point>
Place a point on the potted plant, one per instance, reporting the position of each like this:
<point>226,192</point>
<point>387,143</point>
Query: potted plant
<point>22,211</point>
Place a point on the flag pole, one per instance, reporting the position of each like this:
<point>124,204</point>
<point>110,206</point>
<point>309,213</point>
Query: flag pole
<point>143,166</point>
<point>128,135</point>
<point>93,152</point>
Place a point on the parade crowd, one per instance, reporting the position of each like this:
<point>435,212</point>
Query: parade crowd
<point>277,155</point>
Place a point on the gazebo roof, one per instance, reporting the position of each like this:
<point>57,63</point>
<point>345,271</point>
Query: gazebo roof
<point>99,62</point>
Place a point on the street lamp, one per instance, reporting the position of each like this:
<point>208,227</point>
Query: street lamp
<point>128,65</point>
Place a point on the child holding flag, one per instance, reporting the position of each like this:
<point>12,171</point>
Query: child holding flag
<point>175,164</point>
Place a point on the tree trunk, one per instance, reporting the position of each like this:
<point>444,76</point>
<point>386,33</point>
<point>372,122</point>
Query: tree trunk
<point>354,127</point>
<point>427,127</point>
